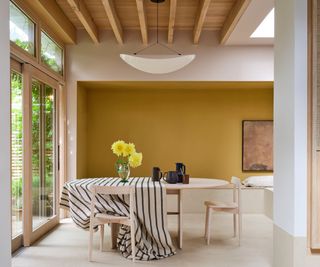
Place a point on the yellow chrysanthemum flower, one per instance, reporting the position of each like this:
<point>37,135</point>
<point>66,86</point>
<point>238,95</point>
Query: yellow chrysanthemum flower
<point>118,147</point>
<point>129,149</point>
<point>135,160</point>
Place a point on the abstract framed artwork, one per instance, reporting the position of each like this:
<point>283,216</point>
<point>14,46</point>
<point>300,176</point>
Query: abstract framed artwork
<point>257,145</point>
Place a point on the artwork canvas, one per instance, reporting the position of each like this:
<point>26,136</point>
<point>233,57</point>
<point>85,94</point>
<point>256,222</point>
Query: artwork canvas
<point>257,146</point>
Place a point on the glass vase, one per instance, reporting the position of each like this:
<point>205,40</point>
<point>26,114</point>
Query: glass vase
<point>123,170</point>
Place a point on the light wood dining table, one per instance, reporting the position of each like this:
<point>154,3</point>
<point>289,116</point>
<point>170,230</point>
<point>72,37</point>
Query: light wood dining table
<point>180,189</point>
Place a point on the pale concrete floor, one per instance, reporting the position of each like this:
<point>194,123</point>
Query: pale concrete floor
<point>66,246</point>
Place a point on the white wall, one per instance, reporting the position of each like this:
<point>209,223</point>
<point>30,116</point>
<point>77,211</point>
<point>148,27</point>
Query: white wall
<point>290,134</point>
<point>89,62</point>
<point>5,222</point>
<point>290,116</point>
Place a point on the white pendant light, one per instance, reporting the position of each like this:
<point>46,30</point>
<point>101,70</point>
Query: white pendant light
<point>158,64</point>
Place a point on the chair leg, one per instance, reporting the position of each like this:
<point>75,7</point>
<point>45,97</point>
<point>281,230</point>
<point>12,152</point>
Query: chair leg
<point>114,234</point>
<point>209,226</point>
<point>206,223</point>
<point>240,227</point>
<point>133,242</point>
<point>90,240</point>
<point>234,225</point>
<point>101,236</point>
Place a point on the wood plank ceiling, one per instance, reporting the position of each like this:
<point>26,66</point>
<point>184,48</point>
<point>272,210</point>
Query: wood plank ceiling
<point>119,15</point>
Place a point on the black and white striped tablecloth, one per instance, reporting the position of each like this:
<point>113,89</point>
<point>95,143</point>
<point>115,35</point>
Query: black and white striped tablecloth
<point>152,236</point>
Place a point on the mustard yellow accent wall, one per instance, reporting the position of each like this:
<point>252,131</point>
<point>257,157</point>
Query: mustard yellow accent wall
<point>199,127</point>
<point>82,132</point>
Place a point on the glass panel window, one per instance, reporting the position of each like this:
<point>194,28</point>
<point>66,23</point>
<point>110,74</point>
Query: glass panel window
<point>51,54</point>
<point>16,152</point>
<point>49,150</point>
<point>43,153</point>
<point>22,30</point>
<point>36,153</point>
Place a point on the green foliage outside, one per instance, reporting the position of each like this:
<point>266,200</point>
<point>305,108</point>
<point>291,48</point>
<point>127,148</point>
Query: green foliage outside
<point>42,103</point>
<point>45,46</point>
<point>43,115</point>
<point>16,130</point>
<point>20,27</point>
<point>51,62</point>
<point>50,47</point>
<point>27,46</point>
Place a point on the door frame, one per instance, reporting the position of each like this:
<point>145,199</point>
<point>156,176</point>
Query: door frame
<point>29,235</point>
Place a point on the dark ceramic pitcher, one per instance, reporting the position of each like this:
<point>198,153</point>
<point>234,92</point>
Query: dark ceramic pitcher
<point>181,171</point>
<point>170,177</point>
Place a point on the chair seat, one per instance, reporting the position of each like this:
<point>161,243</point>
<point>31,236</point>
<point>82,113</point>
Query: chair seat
<point>110,217</point>
<point>102,218</point>
<point>218,204</point>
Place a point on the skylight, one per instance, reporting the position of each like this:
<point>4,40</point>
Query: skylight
<point>266,27</point>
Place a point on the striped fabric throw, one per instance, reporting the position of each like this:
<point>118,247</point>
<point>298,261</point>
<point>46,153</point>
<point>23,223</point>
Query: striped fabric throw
<point>152,236</point>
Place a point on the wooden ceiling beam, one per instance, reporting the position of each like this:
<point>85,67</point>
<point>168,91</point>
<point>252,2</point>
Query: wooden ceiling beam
<point>85,18</point>
<point>172,19</point>
<point>142,21</point>
<point>202,12</point>
<point>113,19</point>
<point>55,18</point>
<point>233,18</point>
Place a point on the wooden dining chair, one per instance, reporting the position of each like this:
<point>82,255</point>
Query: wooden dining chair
<point>100,219</point>
<point>233,207</point>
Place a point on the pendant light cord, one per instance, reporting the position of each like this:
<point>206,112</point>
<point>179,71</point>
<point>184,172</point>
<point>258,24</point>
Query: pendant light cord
<point>157,23</point>
<point>157,42</point>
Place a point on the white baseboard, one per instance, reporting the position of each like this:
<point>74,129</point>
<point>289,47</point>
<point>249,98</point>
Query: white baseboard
<point>291,251</point>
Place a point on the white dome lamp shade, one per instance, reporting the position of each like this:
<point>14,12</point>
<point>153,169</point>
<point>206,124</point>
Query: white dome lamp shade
<point>158,64</point>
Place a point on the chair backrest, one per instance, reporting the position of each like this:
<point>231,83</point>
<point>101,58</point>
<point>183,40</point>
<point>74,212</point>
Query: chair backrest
<point>112,190</point>
<point>236,190</point>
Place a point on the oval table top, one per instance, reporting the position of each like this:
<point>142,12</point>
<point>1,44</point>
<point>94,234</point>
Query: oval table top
<point>197,183</point>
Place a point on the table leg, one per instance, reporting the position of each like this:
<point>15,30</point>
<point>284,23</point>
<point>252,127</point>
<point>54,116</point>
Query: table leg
<point>178,193</point>
<point>180,222</point>
<point>114,234</point>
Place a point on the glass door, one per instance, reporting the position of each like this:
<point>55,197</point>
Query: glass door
<point>42,174</point>
<point>34,154</point>
<point>43,152</point>
<point>16,154</point>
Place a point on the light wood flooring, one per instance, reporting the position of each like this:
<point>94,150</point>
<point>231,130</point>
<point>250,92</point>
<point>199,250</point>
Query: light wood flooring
<point>66,246</point>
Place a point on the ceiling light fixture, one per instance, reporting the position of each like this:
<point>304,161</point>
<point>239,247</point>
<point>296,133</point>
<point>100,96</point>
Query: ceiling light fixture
<point>158,64</point>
